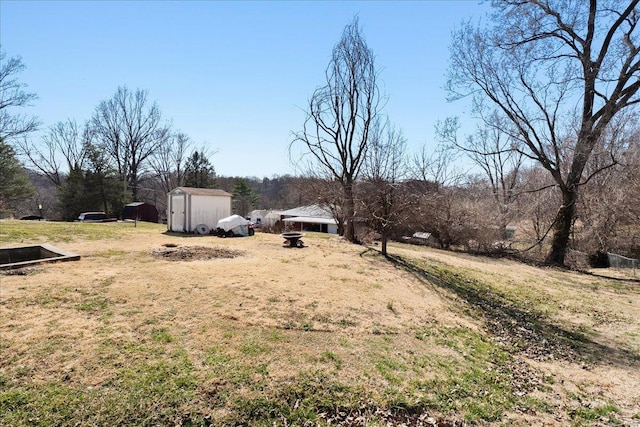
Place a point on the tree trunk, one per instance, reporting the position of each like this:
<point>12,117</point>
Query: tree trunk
<point>562,227</point>
<point>133,185</point>
<point>349,231</point>
<point>567,212</point>
<point>384,244</point>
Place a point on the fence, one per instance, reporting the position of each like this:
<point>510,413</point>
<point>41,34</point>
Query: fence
<point>619,261</point>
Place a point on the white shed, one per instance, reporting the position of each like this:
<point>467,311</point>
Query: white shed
<point>187,208</point>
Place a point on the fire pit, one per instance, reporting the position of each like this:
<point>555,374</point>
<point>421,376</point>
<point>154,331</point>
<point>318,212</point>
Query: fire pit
<point>293,239</point>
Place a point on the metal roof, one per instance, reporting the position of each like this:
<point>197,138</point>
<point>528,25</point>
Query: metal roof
<point>201,191</point>
<point>421,235</point>
<point>312,211</point>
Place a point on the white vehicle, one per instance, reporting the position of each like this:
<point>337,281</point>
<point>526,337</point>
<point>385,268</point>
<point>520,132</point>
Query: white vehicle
<point>234,225</point>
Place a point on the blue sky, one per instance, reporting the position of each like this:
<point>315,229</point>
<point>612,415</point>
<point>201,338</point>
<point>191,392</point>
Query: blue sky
<point>234,76</point>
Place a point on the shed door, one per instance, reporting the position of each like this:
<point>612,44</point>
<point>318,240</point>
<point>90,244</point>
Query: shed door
<point>177,213</point>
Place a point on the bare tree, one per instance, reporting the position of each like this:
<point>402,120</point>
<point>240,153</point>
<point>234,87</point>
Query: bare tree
<point>340,115</point>
<point>129,129</point>
<point>537,205</point>
<point>385,200</point>
<point>62,149</point>
<point>607,201</point>
<point>168,160</point>
<point>437,184</point>
<point>543,61</point>
<point>12,95</point>
<point>491,148</point>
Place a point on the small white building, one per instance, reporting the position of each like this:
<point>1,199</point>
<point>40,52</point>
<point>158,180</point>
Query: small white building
<point>310,218</point>
<point>187,208</point>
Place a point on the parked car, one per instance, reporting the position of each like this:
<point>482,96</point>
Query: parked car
<point>32,218</point>
<point>95,217</point>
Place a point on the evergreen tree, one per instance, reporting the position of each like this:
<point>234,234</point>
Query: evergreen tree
<point>103,189</point>
<point>243,197</point>
<point>199,172</point>
<point>14,183</point>
<point>94,187</point>
<point>71,194</point>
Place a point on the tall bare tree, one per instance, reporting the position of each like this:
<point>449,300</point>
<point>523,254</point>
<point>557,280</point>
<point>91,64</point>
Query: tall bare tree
<point>12,95</point>
<point>168,161</point>
<point>606,202</point>
<point>542,61</point>
<point>340,115</point>
<point>384,198</point>
<point>129,128</point>
<point>61,150</point>
<point>492,149</point>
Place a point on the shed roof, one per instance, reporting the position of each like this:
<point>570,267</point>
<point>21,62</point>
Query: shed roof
<point>201,191</point>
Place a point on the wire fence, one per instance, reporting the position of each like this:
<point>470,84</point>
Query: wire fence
<point>619,261</point>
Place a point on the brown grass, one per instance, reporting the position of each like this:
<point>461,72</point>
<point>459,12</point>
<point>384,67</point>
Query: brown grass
<point>330,307</point>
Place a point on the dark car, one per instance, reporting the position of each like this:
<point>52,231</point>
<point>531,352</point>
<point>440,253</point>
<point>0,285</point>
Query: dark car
<point>32,218</point>
<point>95,217</point>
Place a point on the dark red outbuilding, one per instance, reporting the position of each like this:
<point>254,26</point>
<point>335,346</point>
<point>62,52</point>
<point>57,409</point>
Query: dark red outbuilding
<point>140,210</point>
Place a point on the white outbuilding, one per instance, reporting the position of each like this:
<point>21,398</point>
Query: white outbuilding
<point>192,210</point>
<point>310,218</point>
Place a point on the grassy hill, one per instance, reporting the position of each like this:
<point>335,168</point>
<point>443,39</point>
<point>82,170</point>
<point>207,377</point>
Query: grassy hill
<point>150,328</point>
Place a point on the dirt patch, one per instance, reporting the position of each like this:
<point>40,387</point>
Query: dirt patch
<point>24,271</point>
<point>190,253</point>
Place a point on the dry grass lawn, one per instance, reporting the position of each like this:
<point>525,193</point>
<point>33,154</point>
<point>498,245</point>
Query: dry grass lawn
<point>150,328</point>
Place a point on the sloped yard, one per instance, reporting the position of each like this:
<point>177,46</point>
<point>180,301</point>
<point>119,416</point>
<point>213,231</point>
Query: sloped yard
<point>156,329</point>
